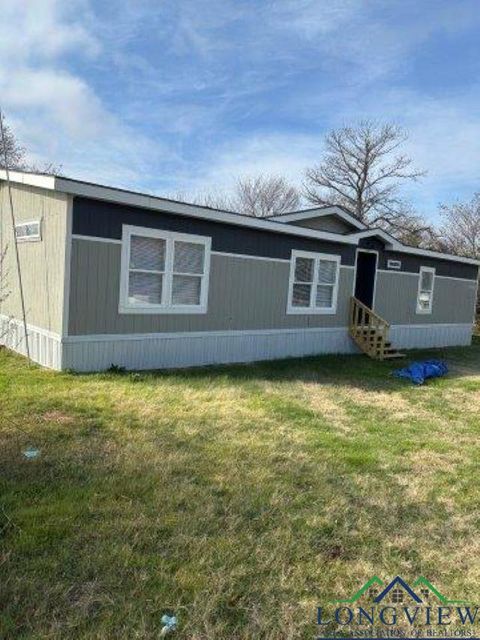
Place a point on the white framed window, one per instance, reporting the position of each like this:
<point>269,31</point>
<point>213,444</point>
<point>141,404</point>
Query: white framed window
<point>28,231</point>
<point>313,284</point>
<point>163,271</point>
<point>426,281</point>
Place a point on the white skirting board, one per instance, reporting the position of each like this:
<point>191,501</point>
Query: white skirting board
<point>430,335</point>
<point>171,350</point>
<point>45,347</point>
<point>187,350</point>
<point>88,353</point>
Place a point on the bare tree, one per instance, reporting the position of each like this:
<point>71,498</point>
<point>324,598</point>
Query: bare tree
<point>459,232</point>
<point>259,196</point>
<point>460,229</point>
<point>16,155</point>
<point>362,171</point>
<point>11,148</point>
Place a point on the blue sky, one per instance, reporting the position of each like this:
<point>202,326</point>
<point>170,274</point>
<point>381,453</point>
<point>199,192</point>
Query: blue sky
<point>182,96</point>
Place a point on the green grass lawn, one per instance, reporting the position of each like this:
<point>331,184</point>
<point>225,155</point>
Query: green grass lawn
<point>240,498</point>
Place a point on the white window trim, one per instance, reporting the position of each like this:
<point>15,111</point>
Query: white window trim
<point>419,309</point>
<point>36,238</point>
<point>126,307</point>
<point>312,310</point>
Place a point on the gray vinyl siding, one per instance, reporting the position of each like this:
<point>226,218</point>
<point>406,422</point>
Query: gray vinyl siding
<point>42,262</point>
<point>396,299</point>
<point>331,223</point>
<point>244,294</point>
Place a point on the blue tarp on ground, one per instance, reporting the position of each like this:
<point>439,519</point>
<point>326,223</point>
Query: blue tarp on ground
<point>418,372</point>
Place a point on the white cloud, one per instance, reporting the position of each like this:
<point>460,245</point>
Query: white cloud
<point>36,30</point>
<point>192,107</point>
<point>276,154</point>
<point>56,113</point>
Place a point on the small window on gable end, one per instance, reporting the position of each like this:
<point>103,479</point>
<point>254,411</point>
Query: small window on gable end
<point>313,286</point>
<point>28,231</point>
<point>426,281</point>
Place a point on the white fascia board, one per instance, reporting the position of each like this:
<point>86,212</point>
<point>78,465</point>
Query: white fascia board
<point>378,233</point>
<point>30,179</point>
<point>318,213</point>
<point>159,204</point>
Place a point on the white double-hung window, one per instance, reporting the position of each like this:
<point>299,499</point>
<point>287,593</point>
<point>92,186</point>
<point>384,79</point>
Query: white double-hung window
<point>313,286</point>
<point>426,281</point>
<point>163,271</point>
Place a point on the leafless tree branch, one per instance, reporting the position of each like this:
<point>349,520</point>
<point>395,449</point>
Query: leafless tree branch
<point>259,196</point>
<point>362,171</point>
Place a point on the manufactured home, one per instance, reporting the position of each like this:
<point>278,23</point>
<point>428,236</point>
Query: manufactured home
<point>115,277</point>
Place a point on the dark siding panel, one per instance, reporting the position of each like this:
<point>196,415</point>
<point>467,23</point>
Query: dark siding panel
<point>105,220</point>
<point>413,263</point>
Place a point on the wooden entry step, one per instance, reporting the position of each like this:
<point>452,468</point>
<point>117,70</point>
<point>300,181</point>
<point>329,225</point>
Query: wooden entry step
<point>371,332</point>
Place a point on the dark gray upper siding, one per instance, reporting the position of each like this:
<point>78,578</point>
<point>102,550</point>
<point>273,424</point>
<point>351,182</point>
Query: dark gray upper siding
<point>105,220</point>
<point>412,263</point>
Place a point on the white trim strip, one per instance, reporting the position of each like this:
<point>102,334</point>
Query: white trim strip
<point>412,273</point>
<point>67,267</point>
<point>109,337</point>
<point>77,236</point>
<point>196,334</point>
<point>248,257</point>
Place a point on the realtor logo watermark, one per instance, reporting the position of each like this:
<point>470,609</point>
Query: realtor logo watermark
<point>398,610</point>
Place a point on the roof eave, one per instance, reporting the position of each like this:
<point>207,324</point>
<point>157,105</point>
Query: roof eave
<point>156,203</point>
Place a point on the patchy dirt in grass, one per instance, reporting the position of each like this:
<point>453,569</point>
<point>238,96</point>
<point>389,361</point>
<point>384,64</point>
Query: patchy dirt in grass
<point>323,400</point>
<point>58,417</point>
<point>397,406</point>
<point>463,401</point>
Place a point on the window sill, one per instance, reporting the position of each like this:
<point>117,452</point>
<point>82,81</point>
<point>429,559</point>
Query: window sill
<point>151,310</point>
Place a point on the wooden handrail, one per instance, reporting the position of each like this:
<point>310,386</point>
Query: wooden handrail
<point>368,329</point>
<point>356,302</point>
